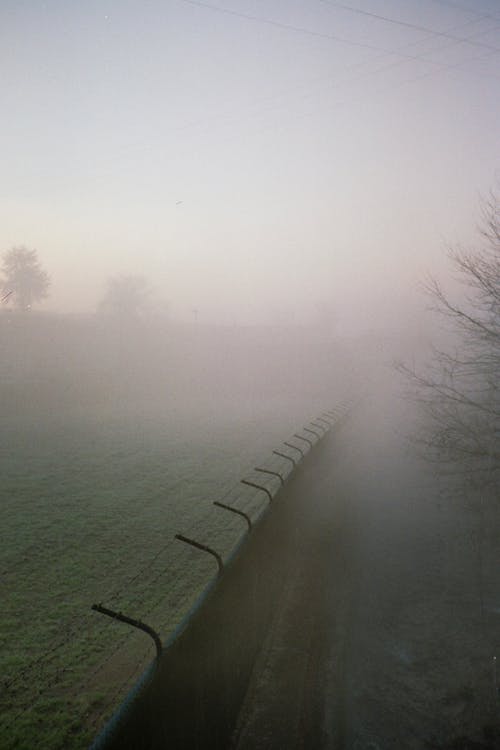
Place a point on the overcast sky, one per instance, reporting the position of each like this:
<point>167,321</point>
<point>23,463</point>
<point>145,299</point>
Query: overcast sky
<point>259,160</point>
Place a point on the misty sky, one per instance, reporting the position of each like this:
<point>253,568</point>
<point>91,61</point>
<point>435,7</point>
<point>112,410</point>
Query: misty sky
<point>283,160</point>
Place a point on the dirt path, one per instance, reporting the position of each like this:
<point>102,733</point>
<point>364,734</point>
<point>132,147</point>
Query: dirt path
<point>301,656</point>
<point>380,639</point>
<point>419,663</point>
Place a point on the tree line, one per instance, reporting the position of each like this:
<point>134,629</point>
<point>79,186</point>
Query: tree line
<point>458,389</point>
<point>24,282</point>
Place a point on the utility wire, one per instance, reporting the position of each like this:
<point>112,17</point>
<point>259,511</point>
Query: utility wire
<point>307,32</point>
<point>323,34</point>
<point>407,24</point>
<point>202,122</point>
<point>463,8</point>
<point>331,85</point>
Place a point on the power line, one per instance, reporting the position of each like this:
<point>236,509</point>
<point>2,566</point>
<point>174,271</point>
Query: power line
<point>376,71</point>
<point>307,32</point>
<point>463,8</point>
<point>308,93</point>
<point>382,53</point>
<point>415,79</point>
<point>409,25</point>
<point>307,87</point>
<point>391,87</point>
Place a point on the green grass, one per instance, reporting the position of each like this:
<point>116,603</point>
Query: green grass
<point>89,507</point>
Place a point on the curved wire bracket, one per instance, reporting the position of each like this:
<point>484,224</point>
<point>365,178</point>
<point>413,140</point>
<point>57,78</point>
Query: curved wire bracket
<point>235,510</point>
<point>311,432</point>
<point>203,547</point>
<point>258,487</point>
<point>130,621</point>
<point>283,455</point>
<point>333,414</point>
<point>272,473</point>
<point>301,437</point>
<point>295,447</point>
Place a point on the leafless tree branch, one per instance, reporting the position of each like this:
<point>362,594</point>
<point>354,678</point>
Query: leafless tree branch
<point>459,389</point>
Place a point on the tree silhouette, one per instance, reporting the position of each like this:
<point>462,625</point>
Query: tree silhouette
<point>460,387</point>
<point>126,296</point>
<point>24,280</point>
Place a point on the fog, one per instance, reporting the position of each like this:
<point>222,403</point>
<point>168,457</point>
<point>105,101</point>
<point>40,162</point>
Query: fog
<point>259,164</point>
<point>233,206</point>
<point>99,365</point>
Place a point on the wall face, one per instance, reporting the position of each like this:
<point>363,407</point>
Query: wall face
<point>202,680</point>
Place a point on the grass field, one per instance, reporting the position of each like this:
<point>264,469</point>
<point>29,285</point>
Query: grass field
<point>100,468</point>
<point>90,508</point>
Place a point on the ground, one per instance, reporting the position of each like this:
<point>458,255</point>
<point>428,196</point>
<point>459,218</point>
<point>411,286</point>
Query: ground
<point>386,631</point>
<point>359,614</point>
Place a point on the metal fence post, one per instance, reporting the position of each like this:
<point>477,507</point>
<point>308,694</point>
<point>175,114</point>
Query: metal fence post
<point>258,487</point>
<point>295,447</point>
<point>235,510</point>
<point>130,621</point>
<point>272,473</point>
<point>283,455</point>
<point>203,547</point>
<point>306,440</point>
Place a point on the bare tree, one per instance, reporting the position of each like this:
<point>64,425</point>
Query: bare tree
<point>126,296</point>
<point>24,280</point>
<point>459,389</point>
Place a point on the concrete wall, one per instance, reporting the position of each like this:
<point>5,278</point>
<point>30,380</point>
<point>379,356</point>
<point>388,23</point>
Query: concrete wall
<point>194,698</point>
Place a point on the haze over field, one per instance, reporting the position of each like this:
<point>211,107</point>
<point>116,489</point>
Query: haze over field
<point>215,218</point>
<point>258,162</point>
